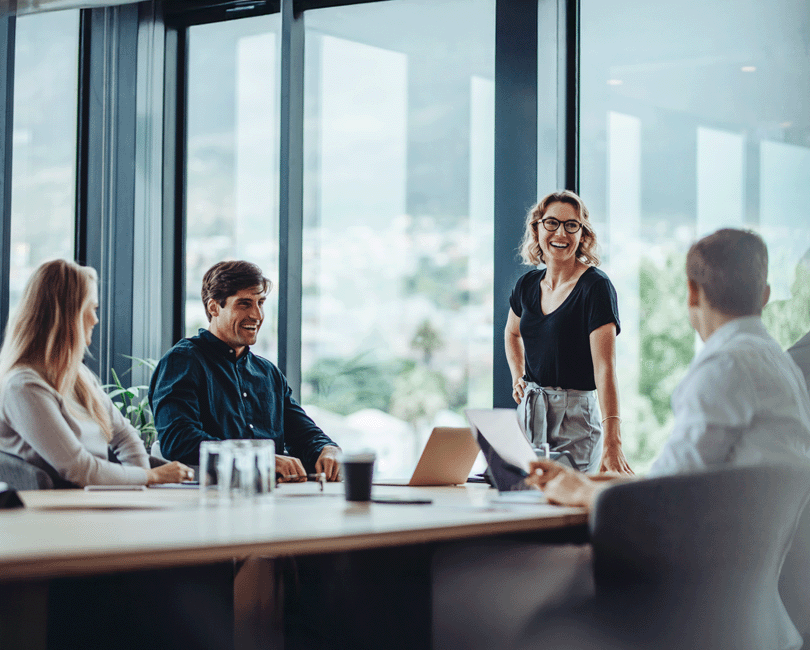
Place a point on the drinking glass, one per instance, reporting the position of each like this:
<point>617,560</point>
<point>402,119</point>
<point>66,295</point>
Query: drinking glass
<point>216,460</point>
<point>243,477</point>
<point>265,465</point>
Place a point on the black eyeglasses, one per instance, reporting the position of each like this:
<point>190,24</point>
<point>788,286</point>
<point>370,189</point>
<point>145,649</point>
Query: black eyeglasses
<point>571,226</point>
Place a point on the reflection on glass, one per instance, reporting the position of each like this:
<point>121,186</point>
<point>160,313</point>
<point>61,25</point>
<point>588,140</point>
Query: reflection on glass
<point>43,177</point>
<point>686,127</point>
<point>398,225</point>
<point>233,152</point>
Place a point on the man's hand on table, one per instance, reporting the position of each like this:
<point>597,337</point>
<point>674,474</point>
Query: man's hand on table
<point>328,463</point>
<point>289,469</point>
<point>563,485</point>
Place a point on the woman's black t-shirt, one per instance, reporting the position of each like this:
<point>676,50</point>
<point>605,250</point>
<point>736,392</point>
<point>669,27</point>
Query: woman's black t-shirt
<point>557,345</point>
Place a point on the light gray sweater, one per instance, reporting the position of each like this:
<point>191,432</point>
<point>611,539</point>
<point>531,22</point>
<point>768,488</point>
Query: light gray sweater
<point>36,424</point>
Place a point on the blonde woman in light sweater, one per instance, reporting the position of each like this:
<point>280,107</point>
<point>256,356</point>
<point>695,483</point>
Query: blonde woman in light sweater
<point>53,411</point>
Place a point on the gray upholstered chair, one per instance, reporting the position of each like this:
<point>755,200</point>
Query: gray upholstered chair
<point>794,582</point>
<point>688,561</point>
<point>22,475</point>
<point>19,474</point>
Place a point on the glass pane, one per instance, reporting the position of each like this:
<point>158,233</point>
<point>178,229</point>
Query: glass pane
<point>43,176</point>
<point>233,153</point>
<point>398,224</point>
<point>694,117</point>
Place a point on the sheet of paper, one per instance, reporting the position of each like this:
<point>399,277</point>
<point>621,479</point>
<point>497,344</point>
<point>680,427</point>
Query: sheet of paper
<point>501,429</point>
<point>521,497</point>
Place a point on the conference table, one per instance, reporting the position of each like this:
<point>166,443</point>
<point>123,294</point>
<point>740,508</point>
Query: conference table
<point>75,534</point>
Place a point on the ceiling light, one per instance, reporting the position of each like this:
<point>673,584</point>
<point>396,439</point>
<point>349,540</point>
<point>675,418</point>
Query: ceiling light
<point>615,82</point>
<point>749,68</point>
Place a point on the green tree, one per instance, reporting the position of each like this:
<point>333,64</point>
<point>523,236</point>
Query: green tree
<point>789,320</point>
<point>667,339</point>
<point>419,394</point>
<point>427,340</point>
<point>666,346</point>
<point>348,385</point>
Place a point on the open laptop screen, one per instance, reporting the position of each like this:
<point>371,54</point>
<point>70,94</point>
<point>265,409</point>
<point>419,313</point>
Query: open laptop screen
<point>507,450</point>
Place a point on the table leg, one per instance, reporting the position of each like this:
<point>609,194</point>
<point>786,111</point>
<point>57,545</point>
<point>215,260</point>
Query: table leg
<point>258,604</point>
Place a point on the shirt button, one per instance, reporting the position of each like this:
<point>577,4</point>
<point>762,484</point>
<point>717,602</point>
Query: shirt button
<point>230,351</point>
<point>244,394</point>
<point>250,425</point>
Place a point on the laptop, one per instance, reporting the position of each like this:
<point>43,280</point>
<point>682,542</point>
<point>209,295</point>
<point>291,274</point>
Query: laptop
<point>507,450</point>
<point>446,459</point>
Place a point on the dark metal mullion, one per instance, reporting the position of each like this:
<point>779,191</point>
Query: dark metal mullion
<point>291,197</point>
<point>568,93</point>
<point>82,137</point>
<point>122,217</point>
<point>8,25</point>
<point>515,162</point>
<point>174,184</point>
<point>106,176</point>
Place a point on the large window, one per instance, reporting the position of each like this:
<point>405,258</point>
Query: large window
<point>44,143</point>
<point>233,154</point>
<point>694,117</point>
<point>398,224</point>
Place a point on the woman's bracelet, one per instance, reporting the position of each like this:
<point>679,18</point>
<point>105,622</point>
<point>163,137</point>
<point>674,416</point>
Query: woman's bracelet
<point>612,417</point>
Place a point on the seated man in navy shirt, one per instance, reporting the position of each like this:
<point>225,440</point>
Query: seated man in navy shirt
<point>212,387</point>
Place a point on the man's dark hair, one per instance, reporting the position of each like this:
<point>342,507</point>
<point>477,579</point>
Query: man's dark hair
<point>732,268</point>
<point>225,279</point>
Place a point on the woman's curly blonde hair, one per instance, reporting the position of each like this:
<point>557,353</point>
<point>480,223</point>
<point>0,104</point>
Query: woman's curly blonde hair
<point>530,248</point>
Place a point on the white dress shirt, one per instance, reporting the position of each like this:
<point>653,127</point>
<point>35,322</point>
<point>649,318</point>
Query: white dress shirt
<point>742,402</point>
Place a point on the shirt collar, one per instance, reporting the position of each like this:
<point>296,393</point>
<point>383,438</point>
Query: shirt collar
<point>745,325</point>
<point>219,346</point>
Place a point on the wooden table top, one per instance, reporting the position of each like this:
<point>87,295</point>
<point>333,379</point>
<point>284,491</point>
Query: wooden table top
<point>74,532</point>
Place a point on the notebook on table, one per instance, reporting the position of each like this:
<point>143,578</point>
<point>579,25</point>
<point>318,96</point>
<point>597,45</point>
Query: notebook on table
<point>447,459</point>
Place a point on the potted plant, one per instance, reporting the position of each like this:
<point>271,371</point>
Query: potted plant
<point>133,402</point>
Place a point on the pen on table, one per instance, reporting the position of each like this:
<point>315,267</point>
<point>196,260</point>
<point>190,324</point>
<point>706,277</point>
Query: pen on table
<point>319,476</point>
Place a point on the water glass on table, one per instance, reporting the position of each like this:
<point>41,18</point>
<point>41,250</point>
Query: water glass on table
<point>243,476</point>
<point>238,469</point>
<point>216,469</point>
<point>264,457</point>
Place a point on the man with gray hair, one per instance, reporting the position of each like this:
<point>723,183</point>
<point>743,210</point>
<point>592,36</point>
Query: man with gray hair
<point>743,401</point>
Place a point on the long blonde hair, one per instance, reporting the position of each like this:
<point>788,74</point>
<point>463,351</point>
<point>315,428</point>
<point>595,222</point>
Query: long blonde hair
<point>47,333</point>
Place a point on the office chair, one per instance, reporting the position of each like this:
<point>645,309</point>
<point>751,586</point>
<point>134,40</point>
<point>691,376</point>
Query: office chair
<point>689,561</point>
<point>19,474</point>
<point>794,582</point>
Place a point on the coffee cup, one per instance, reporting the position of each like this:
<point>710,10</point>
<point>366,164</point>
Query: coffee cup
<point>358,471</point>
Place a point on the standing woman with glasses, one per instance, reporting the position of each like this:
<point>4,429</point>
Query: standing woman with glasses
<point>560,339</point>
<point>53,412</point>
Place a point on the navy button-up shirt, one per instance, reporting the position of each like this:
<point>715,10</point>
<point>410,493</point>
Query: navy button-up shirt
<point>201,391</point>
